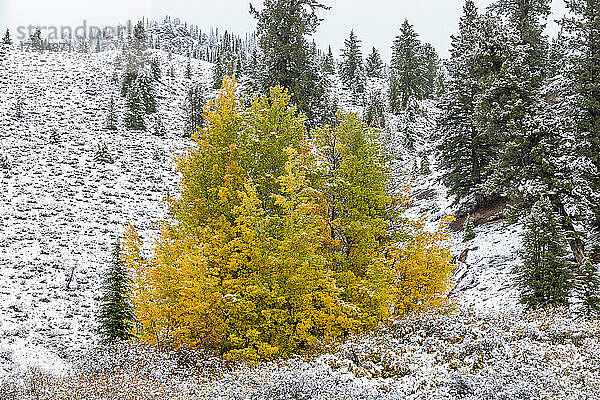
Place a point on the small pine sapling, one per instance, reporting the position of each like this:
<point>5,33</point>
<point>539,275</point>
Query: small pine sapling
<point>19,108</point>
<point>545,277</point>
<point>4,163</point>
<point>103,155</point>
<point>587,289</point>
<point>116,313</point>
<point>425,165</point>
<point>111,119</point>
<point>469,231</point>
<point>374,65</point>
<point>134,115</point>
<point>194,108</point>
<point>158,128</point>
<point>188,69</point>
<point>7,40</point>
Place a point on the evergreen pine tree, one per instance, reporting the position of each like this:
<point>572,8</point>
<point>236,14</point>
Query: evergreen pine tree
<point>4,163</point>
<point>538,155</point>
<point>134,55</point>
<point>134,114</point>
<point>227,64</point>
<point>374,65</point>
<point>510,93</point>
<point>584,70</point>
<point>506,94</point>
<point>351,68</point>
<point>545,160</point>
<point>529,17</point>
<point>6,39</point>
<point>36,40</point>
<point>374,110</point>
<point>138,44</point>
<point>469,229</point>
<point>433,80</point>
<point>557,56</point>
<point>155,68</point>
<point>407,77</point>
<point>253,71</point>
<point>329,63</point>
<point>145,84</point>
<point>111,119</point>
<point>116,313</point>
<point>188,69</point>
<point>545,277</point>
<point>83,46</point>
<point>194,110</point>
<point>425,167</point>
<point>315,83</point>
<point>19,107</point>
<point>158,128</point>
<point>129,75</point>
<point>103,154</point>
<point>283,28</point>
<point>587,289</point>
<point>465,149</point>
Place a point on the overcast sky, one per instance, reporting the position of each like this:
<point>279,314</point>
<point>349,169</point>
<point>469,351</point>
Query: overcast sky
<point>376,22</point>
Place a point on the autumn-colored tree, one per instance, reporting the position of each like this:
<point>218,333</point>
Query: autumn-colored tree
<point>422,267</point>
<point>274,244</point>
<point>361,213</point>
<point>372,245</point>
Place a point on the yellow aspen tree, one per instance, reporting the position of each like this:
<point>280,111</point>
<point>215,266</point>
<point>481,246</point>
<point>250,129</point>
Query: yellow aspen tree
<point>361,213</point>
<point>272,245</point>
<point>422,265</point>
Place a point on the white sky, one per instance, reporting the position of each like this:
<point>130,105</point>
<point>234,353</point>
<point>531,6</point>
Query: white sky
<point>376,22</point>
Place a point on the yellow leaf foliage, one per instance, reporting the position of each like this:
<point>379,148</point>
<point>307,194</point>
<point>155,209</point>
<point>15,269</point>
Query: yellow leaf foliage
<point>270,247</point>
<point>422,267</point>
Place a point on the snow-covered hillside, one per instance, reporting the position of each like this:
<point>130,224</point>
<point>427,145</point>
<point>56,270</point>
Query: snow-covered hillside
<point>60,210</point>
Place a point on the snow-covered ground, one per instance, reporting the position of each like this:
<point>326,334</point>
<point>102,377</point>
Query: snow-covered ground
<point>61,211</point>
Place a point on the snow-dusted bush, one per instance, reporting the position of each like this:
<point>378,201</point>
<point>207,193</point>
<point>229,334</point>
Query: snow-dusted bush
<point>4,163</point>
<point>546,355</point>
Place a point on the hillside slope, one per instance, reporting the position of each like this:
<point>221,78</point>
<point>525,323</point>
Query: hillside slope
<point>61,211</point>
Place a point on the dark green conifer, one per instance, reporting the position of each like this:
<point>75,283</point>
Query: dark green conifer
<point>111,119</point>
<point>587,289</point>
<point>545,277</point>
<point>194,110</point>
<point>283,28</point>
<point>407,78</point>
<point>116,313</point>
<point>158,128</point>
<point>351,68</point>
<point>584,61</point>
<point>374,110</point>
<point>374,65</point>
<point>469,229</point>
<point>134,114</point>
<point>329,62</point>
<point>7,40</point>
